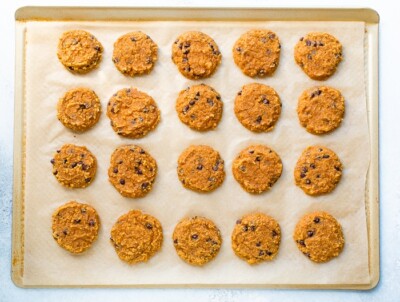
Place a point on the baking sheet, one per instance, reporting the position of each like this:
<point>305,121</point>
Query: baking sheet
<point>46,81</point>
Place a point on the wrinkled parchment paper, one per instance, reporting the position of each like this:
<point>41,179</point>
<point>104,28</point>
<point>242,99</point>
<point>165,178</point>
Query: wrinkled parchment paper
<point>45,263</point>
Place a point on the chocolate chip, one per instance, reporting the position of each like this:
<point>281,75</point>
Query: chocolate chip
<point>218,97</point>
<point>240,92</point>
<point>302,175</point>
<point>120,162</point>
<point>187,44</point>
<point>142,151</point>
<point>258,243</point>
<point>195,236</point>
<point>138,171</point>
<point>320,149</point>
<point>215,167</point>
<point>308,42</point>
<point>122,181</point>
<point>258,158</point>
<point>253,228</point>
<point>91,222</point>
<point>316,220</point>
<point>261,253</point>
<point>245,228</point>
<point>274,233</point>
<point>186,51</point>
<point>188,69</point>
<point>115,60</point>
<point>180,46</point>
<point>149,226</point>
<point>77,221</point>
<point>238,49</point>
<point>199,167</point>
<point>184,59</point>
<point>337,168</point>
<point>58,151</point>
<point>251,151</point>
<point>309,56</point>
<point>83,210</point>
<point>128,90</point>
<point>272,36</point>
<point>52,161</point>
<point>265,101</point>
<point>301,242</point>
<point>65,161</point>
<point>133,39</point>
<point>302,38</point>
<point>242,168</point>
<point>73,165</point>
<point>239,221</point>
<point>312,166</point>
<point>308,181</point>
<point>85,167</point>
<point>310,233</point>
<point>263,39</point>
<point>55,172</point>
<point>325,156</point>
<point>145,185</point>
<point>88,179</point>
<point>259,119</point>
<point>304,170</point>
<point>192,102</point>
<point>65,232</point>
<point>176,241</point>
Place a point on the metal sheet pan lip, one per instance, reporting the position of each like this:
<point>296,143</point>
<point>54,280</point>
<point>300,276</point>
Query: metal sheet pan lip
<point>369,15</point>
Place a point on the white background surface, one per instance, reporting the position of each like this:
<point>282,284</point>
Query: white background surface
<point>387,290</point>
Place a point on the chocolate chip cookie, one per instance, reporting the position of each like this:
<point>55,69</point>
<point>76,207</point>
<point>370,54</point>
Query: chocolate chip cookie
<point>199,107</point>
<point>257,52</point>
<point>136,237</point>
<point>319,236</point>
<point>257,107</point>
<point>256,238</point>
<point>318,54</point>
<point>75,226</point>
<point>320,109</point>
<point>74,166</point>
<point>133,113</point>
<point>201,168</point>
<point>79,51</point>
<point>132,171</point>
<point>257,168</point>
<point>318,170</point>
<point>135,53</point>
<point>79,109</point>
<point>197,240</point>
<point>196,55</point>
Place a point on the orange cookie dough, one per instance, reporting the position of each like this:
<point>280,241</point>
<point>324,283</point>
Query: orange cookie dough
<point>79,51</point>
<point>79,109</point>
<point>197,240</point>
<point>201,168</point>
<point>318,170</point>
<point>257,107</point>
<point>136,237</point>
<point>256,238</point>
<point>132,171</point>
<point>196,55</point>
<point>318,54</point>
<point>257,168</point>
<point>320,109</point>
<point>75,226</point>
<point>133,113</point>
<point>135,53</point>
<point>319,236</point>
<point>199,107</point>
<point>257,52</point>
<point>74,166</point>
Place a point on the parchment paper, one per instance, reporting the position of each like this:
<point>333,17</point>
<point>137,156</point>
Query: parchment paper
<point>46,80</point>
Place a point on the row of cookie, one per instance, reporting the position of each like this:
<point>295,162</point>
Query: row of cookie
<point>197,56</point>
<point>134,113</point>
<point>137,236</point>
<point>257,168</point>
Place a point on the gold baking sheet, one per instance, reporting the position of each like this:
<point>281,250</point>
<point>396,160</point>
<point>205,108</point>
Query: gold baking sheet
<point>19,255</point>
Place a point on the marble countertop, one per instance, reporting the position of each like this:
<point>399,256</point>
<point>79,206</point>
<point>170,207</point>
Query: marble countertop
<point>387,289</point>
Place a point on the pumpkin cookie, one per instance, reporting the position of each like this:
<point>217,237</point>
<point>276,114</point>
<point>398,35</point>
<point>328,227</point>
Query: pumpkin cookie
<point>257,168</point>
<point>135,53</point>
<point>318,54</point>
<point>257,107</point>
<point>132,171</point>
<point>257,52</point>
<point>136,236</point>
<point>199,107</point>
<point>256,238</point>
<point>320,109</point>
<point>75,226</point>
<point>201,168</point>
<point>74,166</point>
<point>197,240</point>
<point>196,55</point>
<point>319,236</point>
<point>79,109</point>
<point>318,170</point>
<point>132,113</point>
<point>79,51</point>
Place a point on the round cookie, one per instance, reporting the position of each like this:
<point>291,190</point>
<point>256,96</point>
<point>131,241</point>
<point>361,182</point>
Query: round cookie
<point>257,52</point>
<point>197,240</point>
<point>318,170</point>
<point>256,238</point>
<point>136,237</point>
<point>257,168</point>
<point>201,168</point>
<point>135,53</point>
<point>133,113</point>
<point>320,109</point>
<point>79,51</point>
<point>132,171</point>
<point>319,236</point>
<point>196,55</point>
<point>79,109</point>
<point>257,107</point>
<point>74,166</point>
<point>199,107</point>
<point>318,54</point>
<point>75,226</point>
